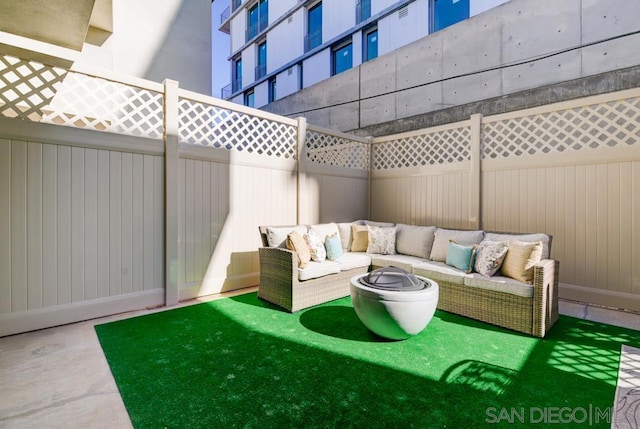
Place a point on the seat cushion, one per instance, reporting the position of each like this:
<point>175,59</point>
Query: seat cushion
<point>313,270</point>
<point>500,284</point>
<point>439,271</point>
<point>406,262</point>
<point>349,261</point>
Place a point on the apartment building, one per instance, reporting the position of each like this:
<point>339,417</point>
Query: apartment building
<point>280,47</point>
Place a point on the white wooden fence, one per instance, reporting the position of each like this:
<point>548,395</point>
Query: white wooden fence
<point>119,193</point>
<point>570,169</point>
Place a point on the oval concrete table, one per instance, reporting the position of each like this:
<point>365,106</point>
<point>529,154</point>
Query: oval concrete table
<point>394,314</point>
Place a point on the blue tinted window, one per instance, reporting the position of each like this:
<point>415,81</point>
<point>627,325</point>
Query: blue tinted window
<point>314,26</point>
<point>342,59</point>
<point>371,45</point>
<point>448,12</point>
<point>249,99</point>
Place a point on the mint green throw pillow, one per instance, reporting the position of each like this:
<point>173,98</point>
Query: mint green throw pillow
<point>460,257</point>
<point>334,246</point>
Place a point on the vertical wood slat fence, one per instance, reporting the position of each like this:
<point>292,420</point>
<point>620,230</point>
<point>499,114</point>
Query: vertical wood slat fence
<point>570,169</point>
<point>119,193</point>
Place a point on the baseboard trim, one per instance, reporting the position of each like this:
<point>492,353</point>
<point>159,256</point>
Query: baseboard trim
<point>31,320</point>
<point>605,298</point>
<point>218,285</point>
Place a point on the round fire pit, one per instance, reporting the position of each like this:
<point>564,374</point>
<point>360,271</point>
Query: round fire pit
<point>394,303</point>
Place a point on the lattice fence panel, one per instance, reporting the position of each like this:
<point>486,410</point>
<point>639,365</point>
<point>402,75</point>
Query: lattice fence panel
<point>611,124</point>
<point>40,93</point>
<point>334,150</point>
<point>207,125</point>
<point>436,148</point>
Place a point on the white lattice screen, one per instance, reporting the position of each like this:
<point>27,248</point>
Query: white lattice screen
<point>41,93</point>
<point>328,149</point>
<point>432,148</point>
<point>612,124</point>
<point>207,125</point>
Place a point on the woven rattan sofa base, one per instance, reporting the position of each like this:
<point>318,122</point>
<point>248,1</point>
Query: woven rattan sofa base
<point>533,316</point>
<point>279,283</point>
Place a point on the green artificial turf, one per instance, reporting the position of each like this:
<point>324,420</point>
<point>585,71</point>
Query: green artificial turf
<point>240,362</point>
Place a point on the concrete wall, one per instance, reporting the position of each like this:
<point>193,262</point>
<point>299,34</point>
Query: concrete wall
<point>506,50</point>
<point>157,40</point>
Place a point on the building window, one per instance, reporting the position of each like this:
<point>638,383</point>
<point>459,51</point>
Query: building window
<point>314,27</point>
<point>447,12</point>
<point>370,44</point>
<point>261,68</point>
<point>272,90</point>
<point>236,78</point>
<point>249,98</point>
<point>363,10</point>
<point>258,19</point>
<point>341,58</point>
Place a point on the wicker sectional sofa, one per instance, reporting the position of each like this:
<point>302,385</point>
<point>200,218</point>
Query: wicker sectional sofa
<point>531,308</point>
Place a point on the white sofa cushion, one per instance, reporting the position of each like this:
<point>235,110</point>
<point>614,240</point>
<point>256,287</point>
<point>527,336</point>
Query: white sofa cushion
<point>313,270</point>
<point>344,231</point>
<point>406,262</point>
<point>439,271</point>
<point>415,240</point>
<point>324,229</point>
<point>443,236</point>
<point>349,261</point>
<point>526,238</point>
<point>500,284</point>
<point>277,235</point>
<point>378,224</point>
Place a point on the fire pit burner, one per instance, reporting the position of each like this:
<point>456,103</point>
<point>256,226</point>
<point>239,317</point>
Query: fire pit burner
<point>392,278</point>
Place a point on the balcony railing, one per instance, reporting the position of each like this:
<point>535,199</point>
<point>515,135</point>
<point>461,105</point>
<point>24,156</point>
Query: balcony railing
<point>236,84</point>
<point>312,40</point>
<point>225,92</point>
<point>363,10</point>
<point>225,15</point>
<point>256,28</point>
<point>261,71</point>
<point>235,4</point>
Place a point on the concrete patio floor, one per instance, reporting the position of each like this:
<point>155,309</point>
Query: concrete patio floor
<point>59,377</point>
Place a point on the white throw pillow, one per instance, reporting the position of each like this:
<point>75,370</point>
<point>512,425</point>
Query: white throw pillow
<point>382,240</point>
<point>316,247</point>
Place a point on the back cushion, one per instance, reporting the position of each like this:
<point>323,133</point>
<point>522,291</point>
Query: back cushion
<point>443,236</point>
<point>277,235</point>
<point>525,238</point>
<point>324,229</point>
<point>415,240</point>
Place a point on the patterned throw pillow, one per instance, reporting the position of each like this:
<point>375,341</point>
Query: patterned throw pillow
<point>489,256</point>
<point>334,246</point>
<point>316,247</point>
<point>382,240</point>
